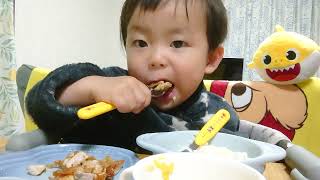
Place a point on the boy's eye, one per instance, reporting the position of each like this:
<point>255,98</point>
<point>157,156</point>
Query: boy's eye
<point>140,43</point>
<point>177,44</point>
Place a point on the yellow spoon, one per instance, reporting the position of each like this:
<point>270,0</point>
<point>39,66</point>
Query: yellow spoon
<point>94,110</point>
<point>209,130</point>
<point>99,108</point>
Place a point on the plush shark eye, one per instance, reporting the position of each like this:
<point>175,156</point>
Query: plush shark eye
<point>266,59</point>
<point>291,54</point>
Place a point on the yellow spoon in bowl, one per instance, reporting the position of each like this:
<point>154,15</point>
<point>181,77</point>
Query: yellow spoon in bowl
<point>209,130</point>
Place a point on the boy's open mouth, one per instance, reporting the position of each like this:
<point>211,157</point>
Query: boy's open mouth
<point>159,88</point>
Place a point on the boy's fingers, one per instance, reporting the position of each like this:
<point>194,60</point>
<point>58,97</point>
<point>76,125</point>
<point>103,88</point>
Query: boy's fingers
<point>134,97</point>
<point>142,99</point>
<point>147,95</point>
<point>141,106</point>
<point>124,102</point>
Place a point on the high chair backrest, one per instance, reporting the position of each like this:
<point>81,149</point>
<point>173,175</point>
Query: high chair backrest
<point>27,77</point>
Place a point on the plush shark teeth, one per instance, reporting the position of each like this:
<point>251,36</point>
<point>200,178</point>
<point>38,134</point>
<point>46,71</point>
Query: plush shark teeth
<point>282,69</point>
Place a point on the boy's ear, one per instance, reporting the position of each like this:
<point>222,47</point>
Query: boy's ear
<point>214,58</point>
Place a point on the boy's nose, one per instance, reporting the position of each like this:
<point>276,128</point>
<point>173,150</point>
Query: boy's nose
<point>158,60</point>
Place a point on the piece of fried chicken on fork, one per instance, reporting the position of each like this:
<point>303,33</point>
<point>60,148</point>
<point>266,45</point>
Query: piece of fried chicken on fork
<point>159,88</point>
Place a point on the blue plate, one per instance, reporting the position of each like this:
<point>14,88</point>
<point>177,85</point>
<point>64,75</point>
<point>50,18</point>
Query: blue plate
<point>258,152</point>
<point>15,164</point>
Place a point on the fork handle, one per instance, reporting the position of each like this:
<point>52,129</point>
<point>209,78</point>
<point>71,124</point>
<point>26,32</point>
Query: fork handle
<point>212,127</point>
<point>94,110</point>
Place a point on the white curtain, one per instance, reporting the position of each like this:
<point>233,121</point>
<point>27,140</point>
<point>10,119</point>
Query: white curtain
<point>251,21</point>
<point>11,118</point>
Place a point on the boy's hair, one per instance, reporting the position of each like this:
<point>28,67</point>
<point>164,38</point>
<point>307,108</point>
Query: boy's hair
<point>217,21</point>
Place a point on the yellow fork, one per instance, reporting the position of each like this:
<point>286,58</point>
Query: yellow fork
<point>94,110</point>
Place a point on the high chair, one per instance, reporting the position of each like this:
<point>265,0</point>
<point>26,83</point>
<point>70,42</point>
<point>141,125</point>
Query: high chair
<point>290,109</point>
<point>27,77</point>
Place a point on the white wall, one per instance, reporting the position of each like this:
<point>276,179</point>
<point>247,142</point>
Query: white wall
<point>50,33</point>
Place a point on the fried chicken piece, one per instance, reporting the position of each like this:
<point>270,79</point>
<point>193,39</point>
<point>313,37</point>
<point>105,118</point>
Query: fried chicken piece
<point>36,170</point>
<point>68,177</point>
<point>159,87</point>
<point>75,159</point>
<point>93,166</point>
<point>84,176</point>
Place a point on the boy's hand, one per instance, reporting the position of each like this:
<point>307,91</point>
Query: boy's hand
<point>126,93</point>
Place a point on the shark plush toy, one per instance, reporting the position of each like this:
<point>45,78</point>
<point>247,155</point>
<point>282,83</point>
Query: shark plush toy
<point>286,58</point>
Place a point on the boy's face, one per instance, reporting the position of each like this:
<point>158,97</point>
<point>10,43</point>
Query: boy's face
<point>167,45</point>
